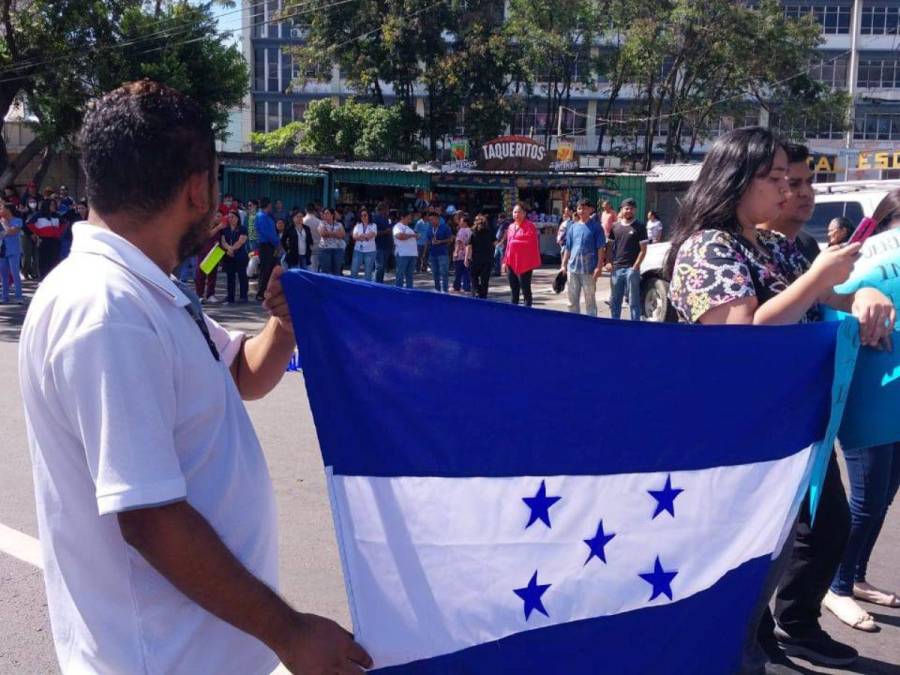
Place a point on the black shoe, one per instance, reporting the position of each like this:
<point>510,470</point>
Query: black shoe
<point>819,648</point>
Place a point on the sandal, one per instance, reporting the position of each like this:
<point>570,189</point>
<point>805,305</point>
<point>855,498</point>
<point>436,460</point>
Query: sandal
<point>868,593</point>
<point>847,610</point>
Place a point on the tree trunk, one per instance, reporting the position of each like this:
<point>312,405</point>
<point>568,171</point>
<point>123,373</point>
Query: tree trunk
<point>8,93</point>
<point>14,168</point>
<point>44,166</point>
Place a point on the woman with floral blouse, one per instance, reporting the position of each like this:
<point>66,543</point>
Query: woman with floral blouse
<point>726,271</point>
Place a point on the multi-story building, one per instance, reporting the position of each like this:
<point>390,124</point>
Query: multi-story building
<point>874,84</point>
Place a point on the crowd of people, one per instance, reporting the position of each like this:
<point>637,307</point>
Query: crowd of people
<point>35,234</point>
<point>258,235</point>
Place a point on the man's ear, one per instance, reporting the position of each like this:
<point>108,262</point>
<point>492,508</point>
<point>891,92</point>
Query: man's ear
<point>199,193</point>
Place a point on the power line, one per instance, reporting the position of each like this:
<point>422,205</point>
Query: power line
<point>173,32</point>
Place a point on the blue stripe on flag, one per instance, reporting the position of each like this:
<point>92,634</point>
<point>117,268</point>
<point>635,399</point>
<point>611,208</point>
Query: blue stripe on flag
<point>700,634</point>
<point>411,383</point>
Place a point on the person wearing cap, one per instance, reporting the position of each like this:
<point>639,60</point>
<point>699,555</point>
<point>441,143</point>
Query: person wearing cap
<point>626,250</point>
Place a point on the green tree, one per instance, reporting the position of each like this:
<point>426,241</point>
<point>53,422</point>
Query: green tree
<point>56,55</point>
<point>555,38</point>
<point>352,131</point>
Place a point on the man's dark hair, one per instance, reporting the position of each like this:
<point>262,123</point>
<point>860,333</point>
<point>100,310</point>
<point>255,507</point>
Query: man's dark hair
<point>310,207</point>
<point>584,202</point>
<point>264,202</point>
<point>139,145</point>
<point>796,152</point>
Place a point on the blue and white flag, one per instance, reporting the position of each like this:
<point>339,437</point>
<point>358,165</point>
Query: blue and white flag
<point>523,491</point>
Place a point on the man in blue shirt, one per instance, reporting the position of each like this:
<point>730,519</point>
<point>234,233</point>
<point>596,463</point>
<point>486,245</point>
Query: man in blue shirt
<point>384,241</point>
<point>421,227</point>
<point>583,258</point>
<point>10,252</point>
<point>438,238</point>
<point>268,243</point>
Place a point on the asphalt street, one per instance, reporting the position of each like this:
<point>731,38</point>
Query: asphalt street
<point>310,568</point>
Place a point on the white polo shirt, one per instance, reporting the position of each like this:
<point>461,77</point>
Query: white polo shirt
<point>125,408</point>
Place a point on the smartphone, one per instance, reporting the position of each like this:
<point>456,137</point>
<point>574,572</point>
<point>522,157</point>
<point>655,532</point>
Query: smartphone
<point>863,231</point>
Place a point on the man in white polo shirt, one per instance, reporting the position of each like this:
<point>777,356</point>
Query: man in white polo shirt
<point>155,507</point>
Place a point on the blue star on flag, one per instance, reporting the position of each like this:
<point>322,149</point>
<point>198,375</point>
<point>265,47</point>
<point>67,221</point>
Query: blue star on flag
<point>540,506</point>
<point>598,543</point>
<point>660,579</point>
<point>531,595</point>
<point>665,498</point>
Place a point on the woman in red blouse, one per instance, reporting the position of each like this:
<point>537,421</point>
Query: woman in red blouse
<point>523,254</point>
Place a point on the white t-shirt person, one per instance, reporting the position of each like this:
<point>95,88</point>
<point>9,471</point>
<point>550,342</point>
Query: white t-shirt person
<point>126,407</point>
<point>365,245</point>
<point>404,248</point>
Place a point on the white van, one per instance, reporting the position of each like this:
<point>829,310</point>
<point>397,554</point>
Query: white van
<point>852,200</point>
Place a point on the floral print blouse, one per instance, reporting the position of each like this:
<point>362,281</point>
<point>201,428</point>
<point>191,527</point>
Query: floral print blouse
<point>714,267</point>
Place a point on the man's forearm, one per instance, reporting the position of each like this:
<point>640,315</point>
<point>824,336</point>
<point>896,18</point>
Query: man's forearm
<point>182,546</point>
<point>263,361</point>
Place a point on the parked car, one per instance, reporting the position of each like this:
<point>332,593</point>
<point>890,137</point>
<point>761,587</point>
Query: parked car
<point>852,199</point>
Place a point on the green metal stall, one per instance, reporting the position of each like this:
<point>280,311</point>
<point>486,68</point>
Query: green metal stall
<point>294,185</point>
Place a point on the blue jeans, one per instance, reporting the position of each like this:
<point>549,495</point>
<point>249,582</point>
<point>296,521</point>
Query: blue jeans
<point>10,265</point>
<point>874,475</point>
<point>381,262</point>
<point>498,260</point>
<point>440,270</point>
<point>461,276</point>
<point>365,260</point>
<point>623,279</point>
<point>406,269</point>
<point>330,260</point>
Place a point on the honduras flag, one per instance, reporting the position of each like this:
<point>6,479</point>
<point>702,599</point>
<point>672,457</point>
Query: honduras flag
<point>524,491</point>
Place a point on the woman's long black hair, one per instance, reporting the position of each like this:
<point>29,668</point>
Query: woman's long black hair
<point>732,163</point>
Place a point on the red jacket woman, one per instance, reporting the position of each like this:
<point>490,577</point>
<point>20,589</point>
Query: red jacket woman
<point>523,254</point>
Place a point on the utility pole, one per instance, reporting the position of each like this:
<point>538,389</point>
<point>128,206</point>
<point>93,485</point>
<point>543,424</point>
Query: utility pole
<point>855,23</point>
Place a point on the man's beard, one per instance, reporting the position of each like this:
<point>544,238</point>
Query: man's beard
<point>192,241</point>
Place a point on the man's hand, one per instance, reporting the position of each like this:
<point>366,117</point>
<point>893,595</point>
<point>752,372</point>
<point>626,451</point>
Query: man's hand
<point>276,302</point>
<point>318,645</point>
<point>597,272</point>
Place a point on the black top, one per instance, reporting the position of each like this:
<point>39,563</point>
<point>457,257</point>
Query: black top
<point>290,242</point>
<point>482,242</point>
<point>625,243</point>
<point>231,236</point>
<point>808,246</point>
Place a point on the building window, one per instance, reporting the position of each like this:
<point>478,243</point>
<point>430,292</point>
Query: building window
<point>287,113</point>
<point>574,122</point>
<point>287,69</point>
<point>274,121</point>
<point>299,110</point>
<point>272,7</point>
<point>258,17</point>
<point>834,20</point>
<point>272,79</point>
<point>830,70</point>
<point>259,69</point>
<point>879,73</point>
<point>259,116</point>
<point>880,20</point>
<point>877,126</point>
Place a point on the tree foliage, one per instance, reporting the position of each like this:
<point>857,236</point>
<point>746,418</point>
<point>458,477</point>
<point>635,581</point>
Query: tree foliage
<point>56,55</point>
<point>351,131</point>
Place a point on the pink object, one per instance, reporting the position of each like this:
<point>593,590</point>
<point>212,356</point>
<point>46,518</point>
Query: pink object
<point>523,249</point>
<point>863,231</point>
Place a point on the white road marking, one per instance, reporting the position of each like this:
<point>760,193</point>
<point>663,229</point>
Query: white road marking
<point>20,545</point>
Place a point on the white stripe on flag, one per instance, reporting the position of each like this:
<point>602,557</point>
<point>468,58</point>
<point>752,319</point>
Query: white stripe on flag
<point>432,563</point>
